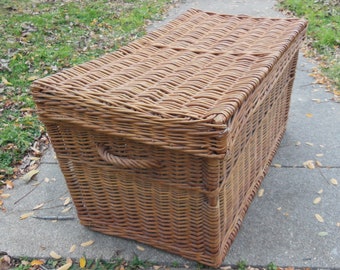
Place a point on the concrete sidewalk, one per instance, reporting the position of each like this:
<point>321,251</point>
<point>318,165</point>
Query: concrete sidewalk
<point>279,227</point>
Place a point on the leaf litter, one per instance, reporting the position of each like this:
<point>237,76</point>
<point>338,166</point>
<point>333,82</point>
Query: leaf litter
<point>82,262</point>
<point>72,248</point>
<point>140,248</point>
<point>317,200</point>
<point>260,192</point>
<point>55,255</point>
<point>38,206</point>
<point>319,218</point>
<point>318,163</point>
<point>9,184</point>
<point>87,244</point>
<point>276,165</point>
<point>333,181</point>
<point>37,262</point>
<point>67,265</point>
<point>67,201</point>
<point>5,195</point>
<point>26,215</point>
<point>28,176</point>
<point>66,209</point>
<point>309,164</point>
<point>323,234</point>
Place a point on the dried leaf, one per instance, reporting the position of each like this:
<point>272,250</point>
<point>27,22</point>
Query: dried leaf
<point>9,184</point>
<point>333,181</point>
<point>277,165</point>
<point>226,268</point>
<point>319,218</point>
<point>1,203</point>
<point>55,255</point>
<point>5,195</point>
<point>320,191</point>
<point>309,115</point>
<point>5,262</point>
<point>67,201</point>
<point>318,163</point>
<point>310,144</point>
<point>66,266</point>
<point>37,262</point>
<point>25,263</point>
<point>32,78</point>
<point>156,267</point>
<point>66,209</point>
<point>140,248</point>
<point>34,158</point>
<point>5,82</point>
<point>309,164</point>
<point>72,248</point>
<point>82,262</point>
<point>26,215</point>
<point>317,200</point>
<point>88,243</point>
<point>323,233</point>
<point>38,206</point>
<point>321,80</point>
<point>260,192</point>
<point>28,176</point>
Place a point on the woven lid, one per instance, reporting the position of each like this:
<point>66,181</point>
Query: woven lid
<point>214,33</point>
<point>188,77</point>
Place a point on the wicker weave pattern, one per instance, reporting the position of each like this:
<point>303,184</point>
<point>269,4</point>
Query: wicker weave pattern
<point>216,33</point>
<point>168,87</point>
<point>166,140</point>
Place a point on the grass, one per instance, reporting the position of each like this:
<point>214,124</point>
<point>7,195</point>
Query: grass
<point>39,38</point>
<point>323,32</point>
<point>114,264</point>
<point>241,265</point>
<point>97,264</point>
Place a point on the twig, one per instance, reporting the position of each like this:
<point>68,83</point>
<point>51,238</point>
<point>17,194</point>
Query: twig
<point>54,217</point>
<point>28,192</point>
<point>39,209</point>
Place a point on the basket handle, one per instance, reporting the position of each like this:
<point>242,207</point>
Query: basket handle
<point>127,163</point>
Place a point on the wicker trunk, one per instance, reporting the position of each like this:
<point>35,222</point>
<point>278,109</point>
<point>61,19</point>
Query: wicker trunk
<point>166,140</point>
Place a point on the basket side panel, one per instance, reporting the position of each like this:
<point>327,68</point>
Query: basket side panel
<point>255,144</point>
<point>169,208</point>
